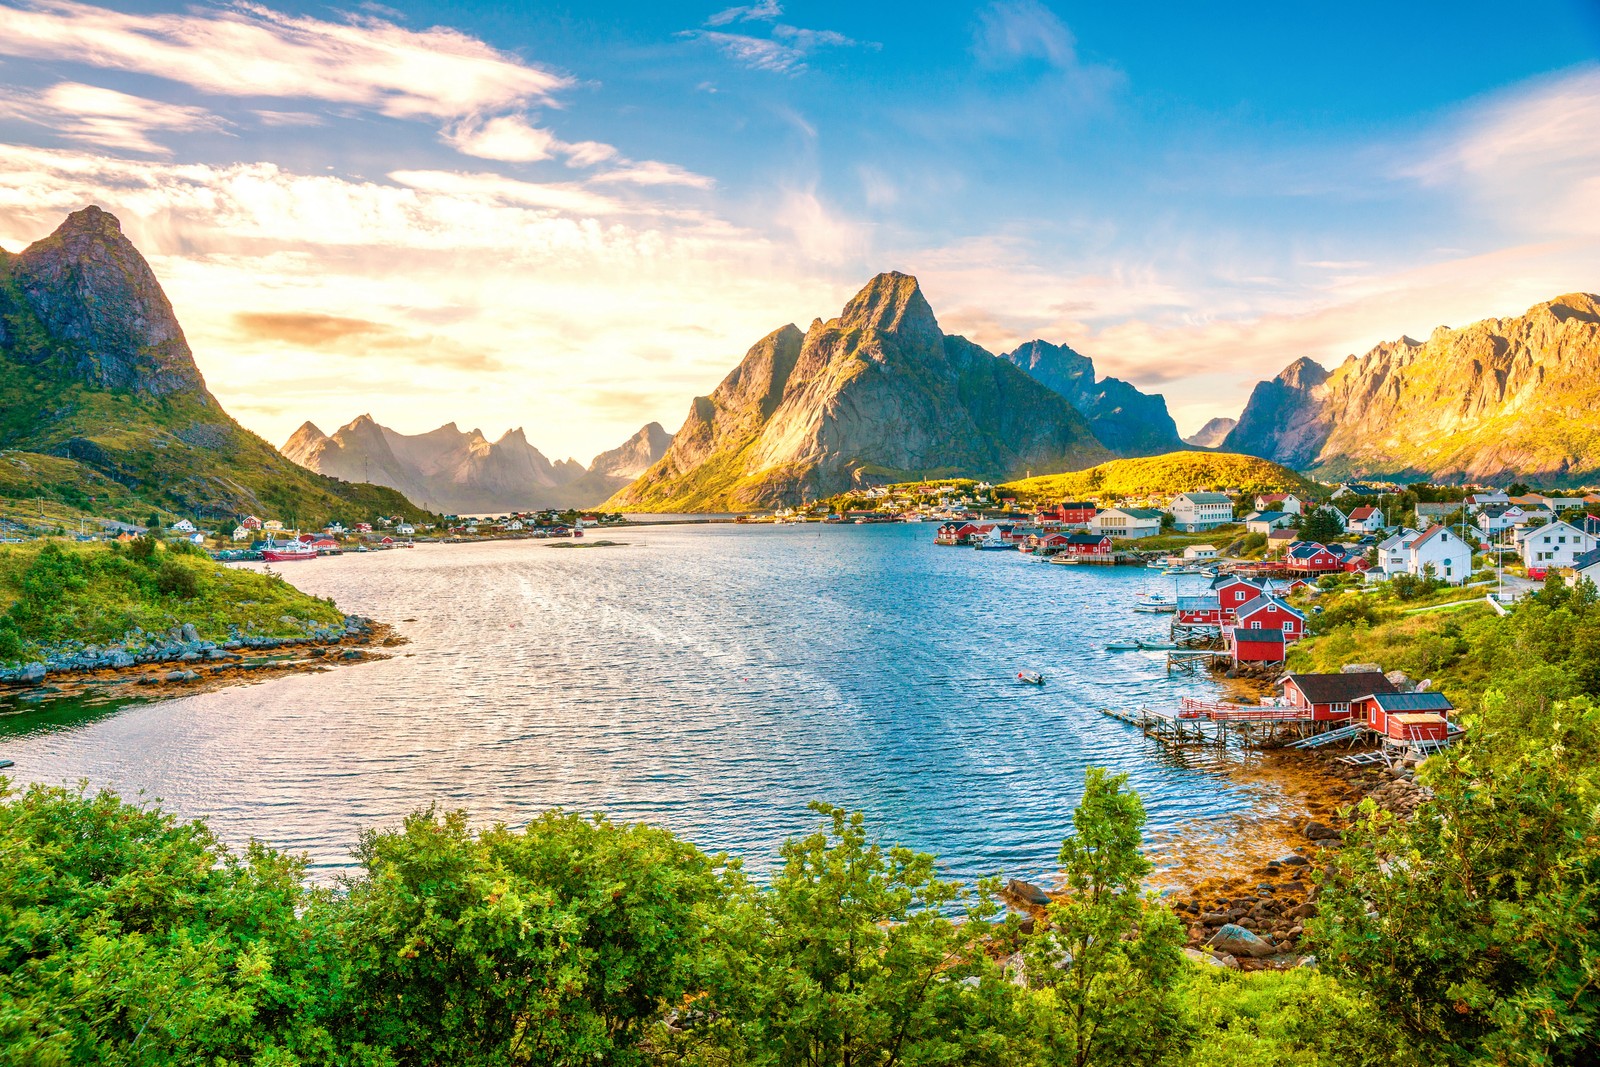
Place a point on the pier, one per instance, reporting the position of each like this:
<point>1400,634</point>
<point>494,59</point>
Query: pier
<point>1199,722</point>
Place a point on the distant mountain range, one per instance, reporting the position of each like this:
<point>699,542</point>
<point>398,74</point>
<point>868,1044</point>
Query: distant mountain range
<point>878,394</point>
<point>1126,421</point>
<point>101,402</point>
<point>1212,434</point>
<point>458,472</point>
<point>1496,401</point>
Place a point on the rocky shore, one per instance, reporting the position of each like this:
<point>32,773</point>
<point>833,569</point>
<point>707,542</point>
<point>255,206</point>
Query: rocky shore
<point>180,658</point>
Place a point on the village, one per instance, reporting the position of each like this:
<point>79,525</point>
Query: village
<point>1261,575</point>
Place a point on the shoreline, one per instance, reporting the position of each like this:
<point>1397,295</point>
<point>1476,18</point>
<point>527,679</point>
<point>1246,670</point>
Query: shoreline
<point>207,667</point>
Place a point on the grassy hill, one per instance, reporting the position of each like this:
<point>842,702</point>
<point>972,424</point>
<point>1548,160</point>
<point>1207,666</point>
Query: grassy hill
<point>52,591</point>
<point>1175,472</point>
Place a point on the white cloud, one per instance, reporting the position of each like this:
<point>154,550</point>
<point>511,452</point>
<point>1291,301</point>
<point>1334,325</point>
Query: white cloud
<point>764,11</point>
<point>653,173</point>
<point>783,51</point>
<point>1012,30</point>
<point>249,50</point>
<point>104,117</point>
<point>509,138</point>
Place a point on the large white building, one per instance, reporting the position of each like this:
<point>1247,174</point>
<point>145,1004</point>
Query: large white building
<point>1201,511</point>
<point>1126,522</point>
<point>1394,553</point>
<point>1555,544</point>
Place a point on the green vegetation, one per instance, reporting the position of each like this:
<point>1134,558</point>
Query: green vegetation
<point>52,592</point>
<point>133,938</point>
<point>1176,472</point>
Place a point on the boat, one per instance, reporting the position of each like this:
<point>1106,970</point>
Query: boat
<point>1030,678</point>
<point>1156,565</point>
<point>1065,561</point>
<point>994,544</point>
<point>1124,646</point>
<point>290,553</point>
<point>1155,602</point>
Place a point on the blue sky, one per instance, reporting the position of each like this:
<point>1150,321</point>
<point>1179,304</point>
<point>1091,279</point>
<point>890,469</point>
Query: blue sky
<point>574,217</point>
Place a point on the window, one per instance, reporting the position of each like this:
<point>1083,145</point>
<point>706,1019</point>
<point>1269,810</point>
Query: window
<point>1255,625</point>
<point>1339,709</point>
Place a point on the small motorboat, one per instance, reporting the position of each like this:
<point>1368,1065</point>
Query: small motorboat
<point>1065,561</point>
<point>1124,646</point>
<point>1155,602</point>
<point>1030,678</point>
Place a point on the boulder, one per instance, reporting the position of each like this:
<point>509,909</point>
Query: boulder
<point>1026,892</point>
<point>188,634</point>
<point>1294,861</point>
<point>1207,959</point>
<point>1237,941</point>
<point>1317,831</point>
<point>32,674</point>
<point>1401,681</point>
<point>181,676</point>
<point>1361,668</point>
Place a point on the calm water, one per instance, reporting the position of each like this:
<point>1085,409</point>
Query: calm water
<point>710,679</point>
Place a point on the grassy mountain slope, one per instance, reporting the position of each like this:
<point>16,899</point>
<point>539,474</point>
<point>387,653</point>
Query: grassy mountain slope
<point>1175,472</point>
<point>96,371</point>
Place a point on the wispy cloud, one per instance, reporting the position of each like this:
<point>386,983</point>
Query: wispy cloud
<point>1013,30</point>
<point>251,51</point>
<point>104,117</point>
<point>782,49</point>
<point>652,173</point>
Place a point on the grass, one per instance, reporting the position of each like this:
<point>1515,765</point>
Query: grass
<point>52,591</point>
<point>1175,472</point>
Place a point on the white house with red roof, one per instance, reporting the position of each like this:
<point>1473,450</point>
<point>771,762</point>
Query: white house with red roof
<point>1365,519</point>
<point>1443,551</point>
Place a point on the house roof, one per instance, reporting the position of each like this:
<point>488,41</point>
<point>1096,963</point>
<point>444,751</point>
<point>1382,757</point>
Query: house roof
<point>1341,688</point>
<point>1411,701</point>
<point>1273,498</point>
<point>1284,534</point>
<point>1086,539</point>
<point>1267,516</point>
<point>1363,513</point>
<point>1264,636</point>
<point>1075,505</point>
<point>1587,560</point>
<point>1429,508</point>
<point>1433,531</point>
<point>1222,581</point>
<point>1264,601</point>
<point>1206,498</point>
<point>1203,602</point>
<point>1305,549</point>
<point>1137,513</point>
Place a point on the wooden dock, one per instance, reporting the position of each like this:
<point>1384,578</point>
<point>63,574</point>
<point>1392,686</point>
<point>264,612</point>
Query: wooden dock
<point>1205,723</point>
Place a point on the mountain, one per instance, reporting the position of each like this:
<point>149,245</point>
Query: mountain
<point>1501,399</point>
<point>879,394</point>
<point>464,472</point>
<point>97,373</point>
<point>1176,472</point>
<point>1128,422</point>
<point>1212,433</point>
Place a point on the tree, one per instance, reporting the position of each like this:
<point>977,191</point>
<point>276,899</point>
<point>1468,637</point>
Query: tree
<point>1477,924</point>
<point>1104,972</point>
<point>863,968</point>
<point>1321,526</point>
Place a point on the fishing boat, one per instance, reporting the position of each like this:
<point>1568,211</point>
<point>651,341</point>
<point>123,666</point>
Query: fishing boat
<point>1155,602</point>
<point>289,553</point>
<point>1030,678</point>
<point>994,543</point>
<point>1065,561</point>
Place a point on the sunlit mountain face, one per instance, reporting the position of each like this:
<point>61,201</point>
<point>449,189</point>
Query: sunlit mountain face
<point>574,222</point>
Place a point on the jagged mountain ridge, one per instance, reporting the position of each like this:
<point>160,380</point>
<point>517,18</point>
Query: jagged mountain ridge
<point>1497,400</point>
<point>97,372</point>
<point>462,472</point>
<point>1125,420</point>
<point>1212,434</point>
<point>878,394</point>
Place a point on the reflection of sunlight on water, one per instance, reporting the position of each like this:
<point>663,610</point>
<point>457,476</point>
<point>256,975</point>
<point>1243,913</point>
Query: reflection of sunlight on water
<point>713,680</point>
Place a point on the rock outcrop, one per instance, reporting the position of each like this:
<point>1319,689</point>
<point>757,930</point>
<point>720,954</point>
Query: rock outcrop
<point>878,394</point>
<point>1212,433</point>
<point>1126,421</point>
<point>1498,400</point>
<point>463,472</point>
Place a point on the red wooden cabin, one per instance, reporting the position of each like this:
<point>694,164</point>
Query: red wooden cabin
<point>1087,544</point>
<point>1205,610</point>
<point>1233,591</point>
<point>1406,716</point>
<point>1332,696</point>
<point>1258,646</point>
<point>1267,612</point>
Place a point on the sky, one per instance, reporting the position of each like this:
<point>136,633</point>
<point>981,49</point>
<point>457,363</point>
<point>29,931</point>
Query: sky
<point>572,218</point>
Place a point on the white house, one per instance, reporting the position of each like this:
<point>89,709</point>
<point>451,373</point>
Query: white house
<point>1126,522</point>
<point>1586,566</point>
<point>1492,518</point>
<point>183,526</point>
<point>1365,519</point>
<point>241,534</point>
<point>1445,552</point>
<point>1394,553</point>
<point>513,525</point>
<point>1287,503</point>
<point>271,525</point>
<point>1201,511</point>
<point>1478,501</point>
<point>1264,522</point>
<point>405,529</point>
<point>1199,552</point>
<point>1344,490</point>
<point>1555,544</point>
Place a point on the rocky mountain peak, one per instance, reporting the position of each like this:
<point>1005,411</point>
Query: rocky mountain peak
<point>1125,420</point>
<point>107,320</point>
<point>892,303</point>
<point>1303,373</point>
